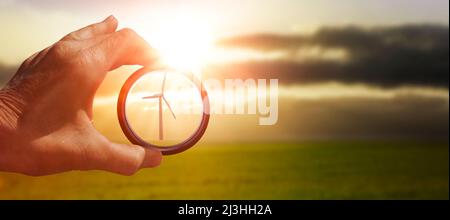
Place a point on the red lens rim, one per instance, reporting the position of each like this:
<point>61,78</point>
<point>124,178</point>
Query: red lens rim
<point>135,139</point>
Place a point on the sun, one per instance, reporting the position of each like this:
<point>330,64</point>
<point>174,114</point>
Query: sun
<point>182,43</point>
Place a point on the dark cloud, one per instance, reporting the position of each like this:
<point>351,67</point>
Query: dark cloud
<point>400,117</point>
<point>415,54</point>
<point>390,56</point>
<point>403,116</point>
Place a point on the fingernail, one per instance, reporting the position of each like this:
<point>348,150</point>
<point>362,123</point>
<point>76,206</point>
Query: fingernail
<point>109,18</point>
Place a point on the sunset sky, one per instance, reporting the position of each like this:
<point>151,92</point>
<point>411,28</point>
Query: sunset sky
<point>351,68</point>
<point>31,25</point>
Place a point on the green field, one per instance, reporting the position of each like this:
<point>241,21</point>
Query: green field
<point>306,170</point>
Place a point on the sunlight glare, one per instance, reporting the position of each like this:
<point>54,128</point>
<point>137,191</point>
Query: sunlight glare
<point>183,43</point>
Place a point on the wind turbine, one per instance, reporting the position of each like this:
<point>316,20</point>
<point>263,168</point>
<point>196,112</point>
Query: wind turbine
<point>161,97</point>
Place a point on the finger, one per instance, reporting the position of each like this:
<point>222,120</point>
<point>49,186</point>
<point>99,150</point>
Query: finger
<point>25,64</point>
<point>128,159</point>
<point>39,56</point>
<point>86,44</point>
<point>109,25</point>
<point>34,59</point>
<point>125,47</point>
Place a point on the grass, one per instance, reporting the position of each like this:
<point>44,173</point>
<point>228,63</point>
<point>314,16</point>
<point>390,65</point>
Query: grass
<point>306,170</point>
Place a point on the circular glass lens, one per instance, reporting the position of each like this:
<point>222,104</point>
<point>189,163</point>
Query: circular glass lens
<point>164,108</point>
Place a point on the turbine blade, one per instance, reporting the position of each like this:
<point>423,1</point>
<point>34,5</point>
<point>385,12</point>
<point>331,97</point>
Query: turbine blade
<point>152,96</point>
<point>161,135</point>
<point>164,83</point>
<point>167,103</point>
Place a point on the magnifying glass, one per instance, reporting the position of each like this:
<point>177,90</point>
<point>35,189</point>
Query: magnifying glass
<point>165,110</point>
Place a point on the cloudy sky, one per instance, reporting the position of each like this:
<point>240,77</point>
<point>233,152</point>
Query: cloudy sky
<point>347,69</point>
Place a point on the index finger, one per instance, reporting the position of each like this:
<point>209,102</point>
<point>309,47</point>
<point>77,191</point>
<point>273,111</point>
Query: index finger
<point>109,25</point>
<point>125,47</point>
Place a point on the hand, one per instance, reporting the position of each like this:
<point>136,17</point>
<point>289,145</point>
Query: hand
<point>46,108</point>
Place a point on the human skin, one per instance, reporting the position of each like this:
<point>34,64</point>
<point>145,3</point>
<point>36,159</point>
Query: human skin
<point>46,108</point>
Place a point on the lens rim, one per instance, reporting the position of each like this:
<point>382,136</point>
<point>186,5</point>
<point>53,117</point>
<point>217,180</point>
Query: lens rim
<point>135,139</point>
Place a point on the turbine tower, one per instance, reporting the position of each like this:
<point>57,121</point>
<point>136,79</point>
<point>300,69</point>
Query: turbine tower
<point>161,98</point>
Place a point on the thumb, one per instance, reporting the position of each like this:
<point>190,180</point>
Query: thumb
<point>128,159</point>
